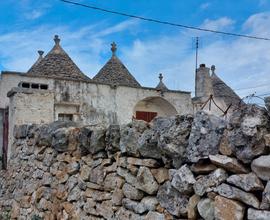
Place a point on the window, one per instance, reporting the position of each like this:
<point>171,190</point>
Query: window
<point>43,86</point>
<point>65,117</point>
<point>25,85</point>
<point>33,85</point>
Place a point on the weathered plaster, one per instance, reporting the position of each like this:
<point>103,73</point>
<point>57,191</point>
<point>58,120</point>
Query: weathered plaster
<point>28,106</point>
<point>10,80</point>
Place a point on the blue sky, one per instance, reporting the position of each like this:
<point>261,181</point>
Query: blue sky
<point>145,48</point>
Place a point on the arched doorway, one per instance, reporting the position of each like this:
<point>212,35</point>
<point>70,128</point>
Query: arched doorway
<point>151,107</point>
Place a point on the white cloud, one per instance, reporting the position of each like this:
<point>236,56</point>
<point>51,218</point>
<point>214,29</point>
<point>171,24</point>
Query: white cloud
<point>241,63</point>
<point>218,24</point>
<point>205,5</point>
<point>34,14</point>
<point>85,45</point>
<point>32,9</point>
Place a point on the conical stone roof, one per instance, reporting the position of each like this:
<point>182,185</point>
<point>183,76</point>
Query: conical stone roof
<point>114,72</point>
<point>57,64</point>
<point>222,90</point>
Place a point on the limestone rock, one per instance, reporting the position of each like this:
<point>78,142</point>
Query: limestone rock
<point>225,147</point>
<point>43,137</point>
<point>192,207</point>
<point>154,216</point>
<point>85,172</point>
<point>74,195</point>
<point>127,176</point>
<point>97,141</point>
<point>143,162</point>
<point>117,197</point>
<point>125,214</point>
<point>170,199</point>
<point>131,192</point>
<point>206,209</point>
<point>267,140</point>
<point>97,175</point>
<point>148,144</point>
<point>254,214</point>
<point>183,180</point>
<point>146,181</point>
<point>147,204</point>
<point>261,166</point>
<point>61,176</point>
<point>247,127</point>
<point>248,182</point>
<point>85,138</point>
<point>173,136</point>
<point>97,195</point>
<point>161,174</point>
<point>105,209</point>
<point>231,192</point>
<point>213,179</point>
<point>143,181</point>
<point>15,210</point>
<point>202,168</point>
<point>228,209</point>
<point>205,136</point>
<point>65,139</point>
<point>69,207</point>
<point>112,138</point>
<point>73,168</point>
<point>113,181</point>
<point>130,135</point>
<point>228,163</point>
<point>265,204</point>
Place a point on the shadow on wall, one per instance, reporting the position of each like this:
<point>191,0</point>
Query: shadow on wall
<point>151,107</point>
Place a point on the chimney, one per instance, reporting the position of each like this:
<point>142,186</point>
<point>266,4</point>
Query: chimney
<point>203,84</point>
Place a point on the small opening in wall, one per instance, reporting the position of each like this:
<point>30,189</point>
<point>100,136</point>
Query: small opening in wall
<point>65,117</point>
<point>43,86</point>
<point>25,85</point>
<point>35,86</point>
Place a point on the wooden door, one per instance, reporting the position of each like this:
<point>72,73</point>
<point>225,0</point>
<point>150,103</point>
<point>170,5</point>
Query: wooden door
<point>146,116</point>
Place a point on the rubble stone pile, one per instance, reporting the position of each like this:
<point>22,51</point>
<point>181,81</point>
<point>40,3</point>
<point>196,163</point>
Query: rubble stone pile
<point>182,167</point>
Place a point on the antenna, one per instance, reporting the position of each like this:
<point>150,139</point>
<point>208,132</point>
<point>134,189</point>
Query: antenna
<point>197,50</point>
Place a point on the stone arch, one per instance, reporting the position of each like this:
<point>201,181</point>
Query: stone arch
<point>154,106</point>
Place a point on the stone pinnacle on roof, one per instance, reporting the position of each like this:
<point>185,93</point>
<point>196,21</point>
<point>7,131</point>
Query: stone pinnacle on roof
<point>213,69</point>
<point>161,86</point>
<point>57,64</point>
<point>115,73</point>
<point>56,39</point>
<point>40,52</point>
<point>40,57</point>
<point>113,48</point>
<point>222,90</point>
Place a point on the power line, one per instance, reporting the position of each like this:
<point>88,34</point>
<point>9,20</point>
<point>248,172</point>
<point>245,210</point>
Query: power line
<point>165,22</point>
<point>258,86</point>
<point>262,95</point>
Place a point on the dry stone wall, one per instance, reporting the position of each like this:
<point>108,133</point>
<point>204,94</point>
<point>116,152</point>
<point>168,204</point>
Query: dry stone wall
<point>183,167</point>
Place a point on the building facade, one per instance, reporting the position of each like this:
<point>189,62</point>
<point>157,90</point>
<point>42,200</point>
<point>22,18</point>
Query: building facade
<point>54,88</point>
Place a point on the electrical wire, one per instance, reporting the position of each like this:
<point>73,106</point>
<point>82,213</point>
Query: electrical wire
<point>254,87</point>
<point>165,22</point>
